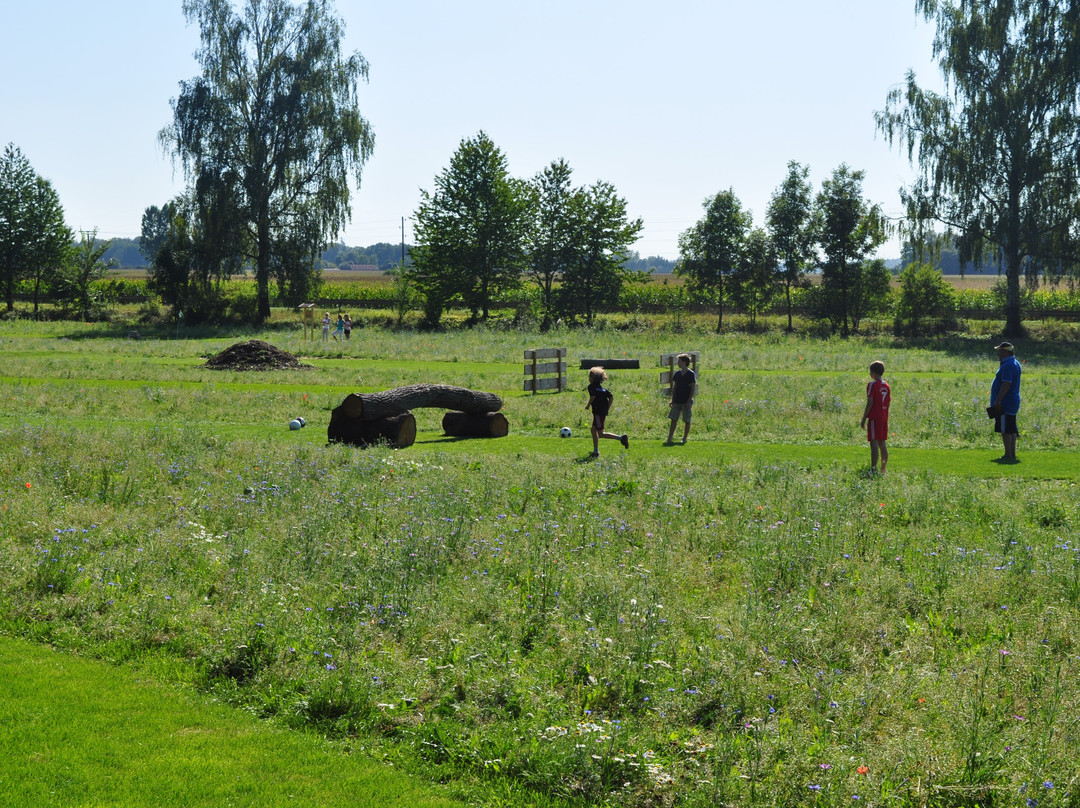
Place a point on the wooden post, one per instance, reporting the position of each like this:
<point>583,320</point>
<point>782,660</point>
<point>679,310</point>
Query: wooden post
<point>671,362</point>
<point>534,369</point>
<point>307,316</point>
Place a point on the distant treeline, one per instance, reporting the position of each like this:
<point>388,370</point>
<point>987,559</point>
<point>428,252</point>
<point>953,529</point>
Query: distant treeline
<point>654,263</point>
<point>949,263</point>
<point>382,255</point>
<point>124,253</point>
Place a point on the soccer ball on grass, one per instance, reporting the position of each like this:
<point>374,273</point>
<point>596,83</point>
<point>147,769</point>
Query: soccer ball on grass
<point>565,432</point>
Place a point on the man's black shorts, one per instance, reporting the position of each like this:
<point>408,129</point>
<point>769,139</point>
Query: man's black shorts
<point>1006,425</point>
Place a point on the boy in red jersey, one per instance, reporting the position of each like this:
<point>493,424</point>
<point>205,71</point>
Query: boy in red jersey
<point>876,415</point>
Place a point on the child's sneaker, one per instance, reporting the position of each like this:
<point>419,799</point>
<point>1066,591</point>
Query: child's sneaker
<point>594,454</point>
<point>625,440</point>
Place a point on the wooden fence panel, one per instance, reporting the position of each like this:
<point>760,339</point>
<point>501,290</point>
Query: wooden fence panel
<point>671,363</point>
<point>535,371</point>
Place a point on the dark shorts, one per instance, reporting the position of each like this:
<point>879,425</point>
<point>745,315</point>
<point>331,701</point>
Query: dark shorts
<point>1006,425</point>
<point>685,410</point>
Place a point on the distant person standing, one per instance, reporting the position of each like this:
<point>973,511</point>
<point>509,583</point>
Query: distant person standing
<point>1005,400</point>
<point>875,415</point>
<point>339,329</point>
<point>348,327</point>
<point>683,391</point>
<point>326,327</point>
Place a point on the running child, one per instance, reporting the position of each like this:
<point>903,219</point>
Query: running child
<point>600,403</point>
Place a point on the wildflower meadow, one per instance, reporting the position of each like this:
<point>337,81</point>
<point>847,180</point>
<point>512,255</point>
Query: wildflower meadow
<point>749,619</point>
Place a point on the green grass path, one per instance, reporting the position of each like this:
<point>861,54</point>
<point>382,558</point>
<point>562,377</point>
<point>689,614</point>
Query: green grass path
<point>978,463</point>
<point>75,732</point>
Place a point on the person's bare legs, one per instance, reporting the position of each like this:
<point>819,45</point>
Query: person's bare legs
<point>599,432</point>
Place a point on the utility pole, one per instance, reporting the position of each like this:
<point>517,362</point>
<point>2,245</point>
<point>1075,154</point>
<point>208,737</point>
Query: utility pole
<point>403,243</point>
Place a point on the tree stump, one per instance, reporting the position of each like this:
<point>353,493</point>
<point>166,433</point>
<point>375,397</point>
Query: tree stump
<point>399,429</point>
<point>475,425</point>
<point>372,406</point>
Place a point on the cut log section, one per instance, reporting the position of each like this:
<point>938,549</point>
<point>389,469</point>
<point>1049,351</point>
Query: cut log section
<point>611,364</point>
<point>373,406</point>
<point>473,425</point>
<point>398,430</point>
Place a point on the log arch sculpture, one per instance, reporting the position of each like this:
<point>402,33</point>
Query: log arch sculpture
<point>366,418</point>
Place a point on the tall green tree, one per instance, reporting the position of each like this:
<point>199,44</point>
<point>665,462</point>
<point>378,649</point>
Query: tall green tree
<point>999,152</point>
<point>756,282</point>
<point>851,229</point>
<point>167,243</point>
<point>470,231</point>
<point>871,292</point>
<point>270,133</point>
<point>553,240</point>
<point>792,227</point>
<point>197,249</point>
<point>713,249</point>
<point>604,233</point>
<point>34,240</point>
<point>156,223</point>
<point>85,264</point>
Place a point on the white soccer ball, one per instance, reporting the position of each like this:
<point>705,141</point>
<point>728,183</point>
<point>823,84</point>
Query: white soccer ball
<point>565,432</point>
<point>295,424</point>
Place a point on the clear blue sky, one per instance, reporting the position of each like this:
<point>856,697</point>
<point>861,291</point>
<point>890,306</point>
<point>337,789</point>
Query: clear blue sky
<point>668,101</point>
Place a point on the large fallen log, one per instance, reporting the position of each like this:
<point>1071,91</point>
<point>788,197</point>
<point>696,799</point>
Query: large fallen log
<point>398,430</point>
<point>473,425</point>
<point>372,406</point>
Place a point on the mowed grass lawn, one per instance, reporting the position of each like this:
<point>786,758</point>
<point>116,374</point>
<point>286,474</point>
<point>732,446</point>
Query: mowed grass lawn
<point>747,619</point>
<point>76,732</point>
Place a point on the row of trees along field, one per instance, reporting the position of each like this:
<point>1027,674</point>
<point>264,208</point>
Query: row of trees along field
<point>270,134</point>
<point>481,230</point>
<point>482,233</point>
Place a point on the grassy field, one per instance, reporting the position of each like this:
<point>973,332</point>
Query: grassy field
<point>77,732</point>
<point>747,619</point>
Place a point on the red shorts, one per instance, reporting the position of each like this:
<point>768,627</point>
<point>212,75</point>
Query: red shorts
<point>877,429</point>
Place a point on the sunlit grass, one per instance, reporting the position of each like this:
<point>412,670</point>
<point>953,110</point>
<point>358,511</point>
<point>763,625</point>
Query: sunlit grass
<point>76,732</point>
<point>726,622</point>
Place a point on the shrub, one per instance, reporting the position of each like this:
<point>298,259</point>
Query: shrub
<point>924,293</point>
